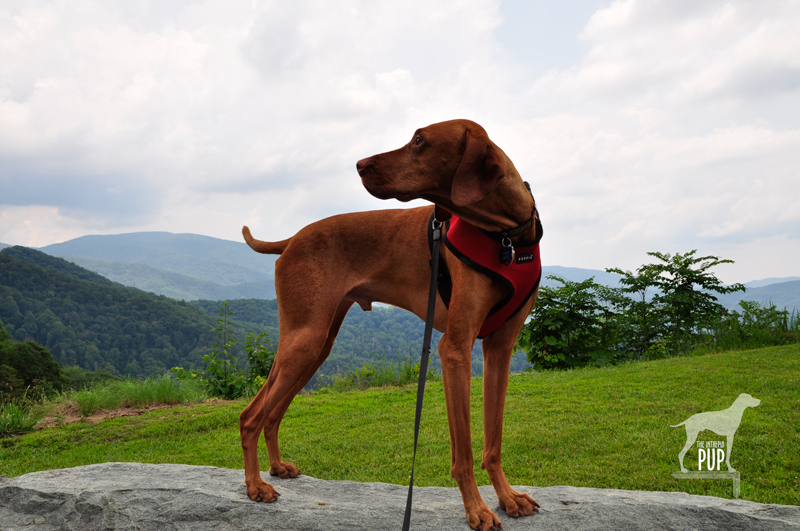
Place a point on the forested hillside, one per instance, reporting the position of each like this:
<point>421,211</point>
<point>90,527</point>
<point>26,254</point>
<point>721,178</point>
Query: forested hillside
<point>89,321</point>
<point>365,337</point>
<point>86,320</point>
<point>173,284</point>
<point>45,260</point>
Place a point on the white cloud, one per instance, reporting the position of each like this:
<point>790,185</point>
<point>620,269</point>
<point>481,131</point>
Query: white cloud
<point>678,129</point>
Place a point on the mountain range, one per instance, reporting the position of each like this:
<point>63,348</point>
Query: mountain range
<point>182,266</point>
<point>192,267</point>
<point>206,271</point>
<point>781,294</point>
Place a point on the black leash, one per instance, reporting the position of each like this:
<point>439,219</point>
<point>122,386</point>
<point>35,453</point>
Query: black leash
<point>423,362</point>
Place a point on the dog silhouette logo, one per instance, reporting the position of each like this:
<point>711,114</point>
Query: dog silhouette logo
<point>724,423</point>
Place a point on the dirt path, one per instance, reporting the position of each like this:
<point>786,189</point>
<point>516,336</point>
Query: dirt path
<point>70,414</point>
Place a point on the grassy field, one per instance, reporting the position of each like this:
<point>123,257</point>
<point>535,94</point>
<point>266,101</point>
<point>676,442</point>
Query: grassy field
<point>607,428</point>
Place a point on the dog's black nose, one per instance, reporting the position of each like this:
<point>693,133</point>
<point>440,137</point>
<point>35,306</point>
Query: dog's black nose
<point>363,163</point>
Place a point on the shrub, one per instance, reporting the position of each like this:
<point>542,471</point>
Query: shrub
<point>259,356</point>
<point>572,325</point>
<point>682,304</point>
<point>77,378</point>
<point>222,375</point>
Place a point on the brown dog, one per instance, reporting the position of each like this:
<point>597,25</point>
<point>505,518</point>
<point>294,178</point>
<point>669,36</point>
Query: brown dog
<point>384,256</point>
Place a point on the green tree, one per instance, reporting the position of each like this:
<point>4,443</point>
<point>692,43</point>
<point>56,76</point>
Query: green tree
<point>572,325</point>
<point>222,374</point>
<point>10,384</point>
<point>685,297</point>
<point>641,319</point>
<point>27,367</point>
<point>4,335</point>
<point>259,355</point>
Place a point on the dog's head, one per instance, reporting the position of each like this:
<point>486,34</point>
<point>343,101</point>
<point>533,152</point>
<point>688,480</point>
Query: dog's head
<point>747,401</point>
<point>452,163</point>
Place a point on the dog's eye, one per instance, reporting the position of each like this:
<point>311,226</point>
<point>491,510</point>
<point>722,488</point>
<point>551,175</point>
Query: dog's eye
<point>418,140</point>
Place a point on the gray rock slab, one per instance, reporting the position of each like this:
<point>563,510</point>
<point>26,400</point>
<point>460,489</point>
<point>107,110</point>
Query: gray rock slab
<point>138,496</point>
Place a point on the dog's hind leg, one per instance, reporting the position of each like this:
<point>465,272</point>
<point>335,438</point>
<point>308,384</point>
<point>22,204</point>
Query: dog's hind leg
<point>300,348</point>
<point>691,437</point>
<point>276,466</point>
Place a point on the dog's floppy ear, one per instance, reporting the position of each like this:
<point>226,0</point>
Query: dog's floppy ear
<point>480,170</point>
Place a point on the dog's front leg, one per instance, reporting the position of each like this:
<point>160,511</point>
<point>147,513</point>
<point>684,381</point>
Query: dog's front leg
<point>456,373</point>
<point>497,350</point>
<point>728,453</point>
<point>455,351</point>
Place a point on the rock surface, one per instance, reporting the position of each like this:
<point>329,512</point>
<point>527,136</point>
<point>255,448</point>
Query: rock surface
<point>182,497</point>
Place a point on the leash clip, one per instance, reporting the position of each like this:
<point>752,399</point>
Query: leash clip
<point>507,253</point>
<point>437,229</point>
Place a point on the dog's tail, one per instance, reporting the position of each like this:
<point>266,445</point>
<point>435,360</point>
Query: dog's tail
<point>264,247</point>
<point>681,424</point>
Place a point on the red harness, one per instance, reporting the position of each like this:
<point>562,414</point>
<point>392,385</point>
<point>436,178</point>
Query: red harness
<point>481,251</point>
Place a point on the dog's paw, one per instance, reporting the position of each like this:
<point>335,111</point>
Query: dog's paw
<point>284,470</point>
<point>518,504</point>
<point>483,519</point>
<point>262,491</point>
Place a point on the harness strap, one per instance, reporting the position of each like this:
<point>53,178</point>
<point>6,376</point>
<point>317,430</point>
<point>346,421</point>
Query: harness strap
<point>520,229</point>
<point>423,362</point>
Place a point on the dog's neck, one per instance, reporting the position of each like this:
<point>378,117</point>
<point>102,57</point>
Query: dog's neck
<point>507,207</point>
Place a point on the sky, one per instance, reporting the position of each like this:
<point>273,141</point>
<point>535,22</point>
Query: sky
<point>641,125</point>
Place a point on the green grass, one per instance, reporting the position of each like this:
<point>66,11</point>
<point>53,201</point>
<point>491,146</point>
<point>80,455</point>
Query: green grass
<point>136,394</point>
<point>21,416</point>
<point>16,417</point>
<point>605,428</point>
<point>378,374</point>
